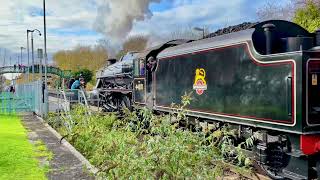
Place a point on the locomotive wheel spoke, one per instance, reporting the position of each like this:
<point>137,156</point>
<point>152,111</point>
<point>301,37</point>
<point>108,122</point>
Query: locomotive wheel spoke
<point>124,102</point>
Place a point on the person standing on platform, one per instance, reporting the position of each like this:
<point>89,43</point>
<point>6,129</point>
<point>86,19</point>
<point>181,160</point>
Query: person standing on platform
<point>75,88</point>
<point>75,84</point>
<point>70,83</point>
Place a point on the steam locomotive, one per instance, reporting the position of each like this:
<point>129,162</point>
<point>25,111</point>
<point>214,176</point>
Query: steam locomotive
<point>263,80</point>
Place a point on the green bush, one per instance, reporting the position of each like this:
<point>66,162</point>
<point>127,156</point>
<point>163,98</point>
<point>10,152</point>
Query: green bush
<point>142,145</point>
<point>86,73</point>
<point>308,16</point>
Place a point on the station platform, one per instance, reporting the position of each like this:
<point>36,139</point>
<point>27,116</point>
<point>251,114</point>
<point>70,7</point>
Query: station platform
<point>65,165</point>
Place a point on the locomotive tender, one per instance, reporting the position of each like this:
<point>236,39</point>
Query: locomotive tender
<point>263,80</point>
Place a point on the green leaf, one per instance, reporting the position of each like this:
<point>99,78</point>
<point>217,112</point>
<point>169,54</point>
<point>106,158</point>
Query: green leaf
<point>308,16</point>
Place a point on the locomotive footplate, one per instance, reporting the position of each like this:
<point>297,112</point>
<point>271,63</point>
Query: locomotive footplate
<point>117,90</point>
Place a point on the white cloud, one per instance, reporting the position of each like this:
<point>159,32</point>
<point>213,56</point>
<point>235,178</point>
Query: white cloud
<point>186,13</point>
<point>66,18</point>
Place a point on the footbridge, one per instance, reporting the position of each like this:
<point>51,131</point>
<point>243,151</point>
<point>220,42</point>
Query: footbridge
<point>25,69</point>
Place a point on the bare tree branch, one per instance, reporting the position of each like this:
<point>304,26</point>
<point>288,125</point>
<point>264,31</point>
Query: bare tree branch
<point>275,10</point>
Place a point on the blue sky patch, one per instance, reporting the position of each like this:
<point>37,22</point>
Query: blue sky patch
<point>160,7</point>
<point>72,22</point>
<point>36,11</point>
<point>72,32</point>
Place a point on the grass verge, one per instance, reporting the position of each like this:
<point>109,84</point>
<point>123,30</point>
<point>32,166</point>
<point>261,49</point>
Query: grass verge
<point>18,156</point>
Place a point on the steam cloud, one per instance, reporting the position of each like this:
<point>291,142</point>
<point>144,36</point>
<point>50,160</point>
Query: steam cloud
<point>115,18</point>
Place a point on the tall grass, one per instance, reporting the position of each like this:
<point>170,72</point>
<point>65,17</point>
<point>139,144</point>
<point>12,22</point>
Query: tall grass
<point>142,145</point>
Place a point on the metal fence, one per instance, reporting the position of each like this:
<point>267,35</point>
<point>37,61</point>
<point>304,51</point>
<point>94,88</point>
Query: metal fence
<point>63,99</point>
<point>11,103</point>
<point>29,97</point>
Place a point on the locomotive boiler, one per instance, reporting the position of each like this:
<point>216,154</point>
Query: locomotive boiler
<point>263,80</point>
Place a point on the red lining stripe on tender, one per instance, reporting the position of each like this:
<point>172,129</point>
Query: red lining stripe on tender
<point>258,64</point>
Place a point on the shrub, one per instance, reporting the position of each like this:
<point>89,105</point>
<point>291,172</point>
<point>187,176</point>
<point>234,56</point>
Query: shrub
<point>142,145</point>
<point>86,73</point>
<point>308,16</point>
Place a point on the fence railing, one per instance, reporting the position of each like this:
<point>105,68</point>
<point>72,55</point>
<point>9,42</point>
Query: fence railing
<point>11,103</point>
<point>29,97</point>
<point>63,99</point>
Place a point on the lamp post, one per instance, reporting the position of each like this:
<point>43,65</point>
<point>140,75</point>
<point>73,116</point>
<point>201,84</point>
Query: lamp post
<point>40,56</point>
<point>24,69</point>
<point>32,50</point>
<point>45,44</point>
<point>28,73</point>
<point>199,29</point>
<point>4,58</point>
<point>21,48</point>
<point>45,55</point>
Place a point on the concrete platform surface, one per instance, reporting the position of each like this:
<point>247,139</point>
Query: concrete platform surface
<point>64,165</point>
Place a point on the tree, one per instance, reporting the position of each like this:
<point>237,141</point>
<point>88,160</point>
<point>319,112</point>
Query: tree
<point>188,32</point>
<point>91,58</point>
<point>104,44</point>
<point>86,74</point>
<point>308,16</point>
<point>273,9</point>
<point>133,43</point>
<point>303,3</point>
<point>84,58</point>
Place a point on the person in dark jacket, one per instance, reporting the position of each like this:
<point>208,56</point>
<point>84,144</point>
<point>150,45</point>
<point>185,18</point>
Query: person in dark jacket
<point>75,88</point>
<point>70,83</point>
<point>76,84</point>
<point>12,90</point>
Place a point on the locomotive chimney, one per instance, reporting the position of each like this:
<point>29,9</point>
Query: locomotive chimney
<point>268,31</point>
<point>318,37</point>
<point>111,61</point>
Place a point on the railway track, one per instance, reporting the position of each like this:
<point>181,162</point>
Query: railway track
<point>232,174</point>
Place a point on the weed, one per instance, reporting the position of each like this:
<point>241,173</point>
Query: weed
<point>42,151</point>
<point>142,145</point>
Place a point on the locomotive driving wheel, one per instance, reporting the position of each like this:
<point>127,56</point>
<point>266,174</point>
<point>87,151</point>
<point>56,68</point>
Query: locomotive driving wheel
<point>277,160</point>
<point>124,102</point>
<point>108,103</point>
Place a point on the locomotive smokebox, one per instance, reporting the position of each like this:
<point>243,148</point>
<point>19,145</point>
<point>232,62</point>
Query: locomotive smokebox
<point>318,37</point>
<point>268,30</point>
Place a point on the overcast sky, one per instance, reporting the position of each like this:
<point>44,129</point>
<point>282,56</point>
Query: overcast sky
<point>72,22</point>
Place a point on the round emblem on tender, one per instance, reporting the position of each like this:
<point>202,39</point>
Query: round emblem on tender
<point>199,90</point>
<point>200,84</point>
